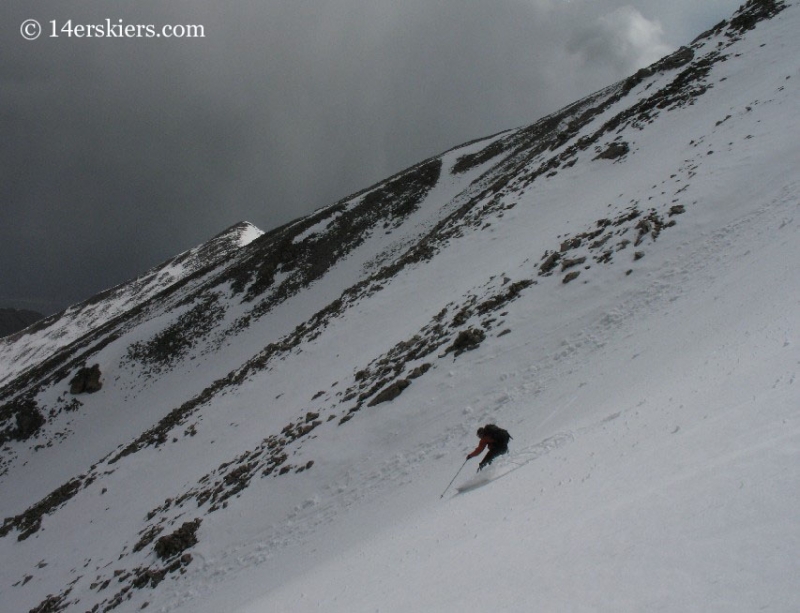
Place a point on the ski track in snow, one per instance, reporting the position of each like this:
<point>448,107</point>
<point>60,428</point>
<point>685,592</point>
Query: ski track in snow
<point>700,258</point>
<point>514,460</point>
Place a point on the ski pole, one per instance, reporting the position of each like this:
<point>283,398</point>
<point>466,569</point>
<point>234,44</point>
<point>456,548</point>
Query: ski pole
<point>454,478</point>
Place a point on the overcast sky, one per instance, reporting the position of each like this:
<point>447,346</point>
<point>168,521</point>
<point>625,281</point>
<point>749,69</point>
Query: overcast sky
<point>118,153</point>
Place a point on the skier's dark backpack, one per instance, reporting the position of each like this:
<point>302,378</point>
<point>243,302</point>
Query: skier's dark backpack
<point>498,435</point>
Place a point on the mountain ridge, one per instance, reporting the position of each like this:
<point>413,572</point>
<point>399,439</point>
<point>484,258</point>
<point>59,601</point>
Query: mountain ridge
<point>51,332</point>
<point>14,320</point>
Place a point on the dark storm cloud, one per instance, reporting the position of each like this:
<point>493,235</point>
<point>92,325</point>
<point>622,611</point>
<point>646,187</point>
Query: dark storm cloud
<point>112,158</point>
<point>117,154</point>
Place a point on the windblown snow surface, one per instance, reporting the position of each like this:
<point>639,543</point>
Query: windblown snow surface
<point>653,402</point>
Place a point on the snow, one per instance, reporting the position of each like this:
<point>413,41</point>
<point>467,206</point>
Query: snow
<point>662,430</point>
<point>37,343</point>
<point>660,472</point>
<point>249,234</point>
<point>653,405</point>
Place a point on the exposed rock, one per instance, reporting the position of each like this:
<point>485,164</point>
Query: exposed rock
<point>22,419</point>
<point>148,535</point>
<point>51,604</point>
<point>571,243</point>
<point>753,12</point>
<point>147,577</point>
<point>511,293</point>
<point>86,381</point>
<point>30,521</point>
<point>29,420</point>
<point>467,341</point>
<point>180,540</point>
<point>419,371</point>
<point>614,151</point>
<point>573,262</point>
<point>391,392</point>
<point>549,263</point>
<point>470,161</point>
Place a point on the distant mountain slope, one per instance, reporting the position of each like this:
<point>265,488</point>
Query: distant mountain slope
<point>614,283</point>
<point>14,320</point>
<point>53,333</point>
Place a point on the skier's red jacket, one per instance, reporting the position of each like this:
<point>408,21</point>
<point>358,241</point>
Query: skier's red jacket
<point>485,440</point>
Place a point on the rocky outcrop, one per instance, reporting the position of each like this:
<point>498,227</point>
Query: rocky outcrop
<point>86,381</point>
<point>179,541</point>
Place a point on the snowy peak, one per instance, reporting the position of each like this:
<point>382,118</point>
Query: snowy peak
<point>594,282</point>
<point>37,343</point>
<point>210,253</point>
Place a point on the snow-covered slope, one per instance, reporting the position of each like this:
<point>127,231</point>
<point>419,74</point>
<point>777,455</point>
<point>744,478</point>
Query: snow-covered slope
<point>40,341</point>
<point>275,433</point>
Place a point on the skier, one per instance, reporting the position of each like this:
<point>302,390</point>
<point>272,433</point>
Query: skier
<point>496,439</point>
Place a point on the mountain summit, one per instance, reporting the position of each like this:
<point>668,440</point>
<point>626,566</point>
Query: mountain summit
<point>267,422</point>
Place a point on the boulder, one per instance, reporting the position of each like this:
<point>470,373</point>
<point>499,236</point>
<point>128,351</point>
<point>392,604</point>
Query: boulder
<point>86,381</point>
